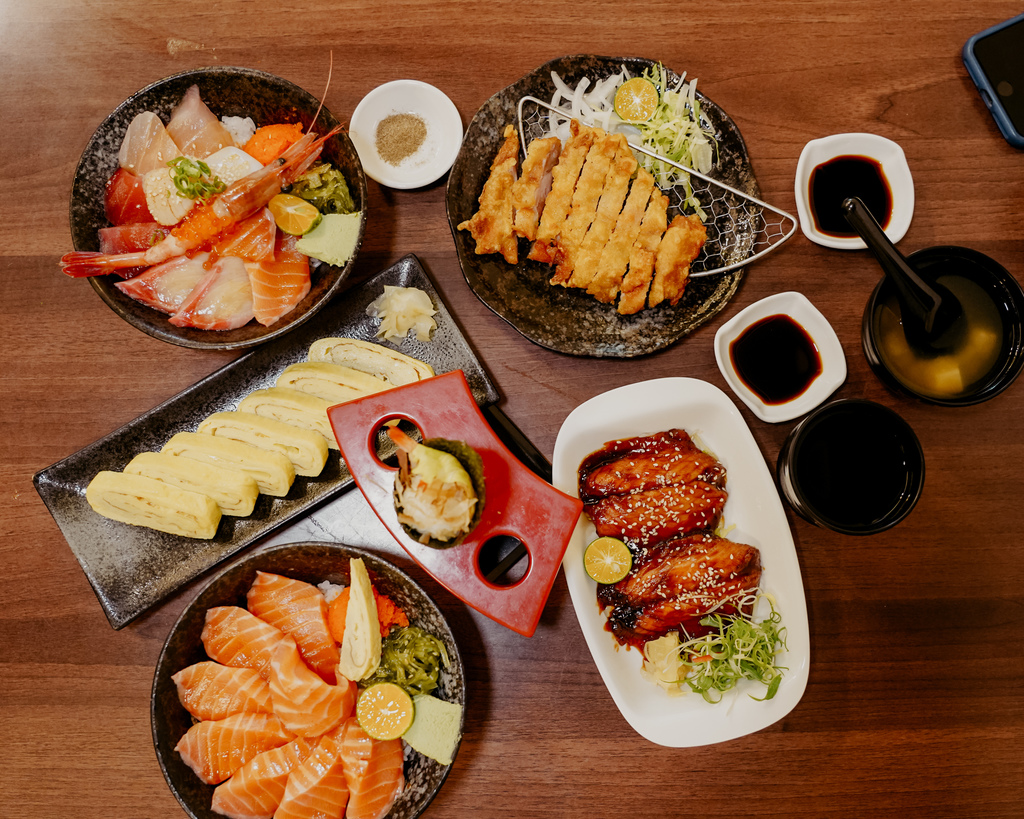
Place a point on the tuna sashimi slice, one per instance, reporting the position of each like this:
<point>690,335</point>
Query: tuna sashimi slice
<point>233,636</point>
<point>255,790</point>
<point>215,749</point>
<point>221,301</point>
<point>373,771</point>
<point>299,609</point>
<point>306,704</point>
<point>317,787</point>
<point>166,286</point>
<point>209,690</point>
<point>279,285</point>
<point>131,238</point>
<point>252,239</point>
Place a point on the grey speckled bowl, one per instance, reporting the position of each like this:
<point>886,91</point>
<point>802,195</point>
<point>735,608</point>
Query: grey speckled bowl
<point>228,92</point>
<point>314,563</point>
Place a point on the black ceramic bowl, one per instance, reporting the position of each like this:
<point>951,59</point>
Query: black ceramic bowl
<point>228,92</point>
<point>313,563</point>
<point>1006,297</point>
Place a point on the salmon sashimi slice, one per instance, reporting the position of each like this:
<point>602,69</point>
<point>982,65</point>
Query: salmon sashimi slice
<point>300,610</point>
<point>373,769</point>
<point>252,239</point>
<point>209,690</point>
<point>165,286</point>
<point>615,257</point>
<point>492,225</point>
<point>278,284</point>
<point>221,301</point>
<point>317,787</point>
<point>306,704</point>
<point>679,246</point>
<point>637,281</point>
<point>256,789</point>
<point>564,176</point>
<point>233,636</point>
<point>533,185</point>
<point>215,749</point>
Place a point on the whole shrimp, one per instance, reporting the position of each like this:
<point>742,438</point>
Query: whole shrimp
<point>205,222</point>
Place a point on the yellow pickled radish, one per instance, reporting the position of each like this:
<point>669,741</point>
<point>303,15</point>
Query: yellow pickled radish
<point>607,560</point>
<point>384,710</point>
<point>636,100</point>
<point>293,214</point>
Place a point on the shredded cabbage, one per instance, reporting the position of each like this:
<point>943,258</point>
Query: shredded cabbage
<point>674,131</point>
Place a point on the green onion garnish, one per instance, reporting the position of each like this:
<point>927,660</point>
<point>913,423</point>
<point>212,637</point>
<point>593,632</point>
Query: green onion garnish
<point>193,178</point>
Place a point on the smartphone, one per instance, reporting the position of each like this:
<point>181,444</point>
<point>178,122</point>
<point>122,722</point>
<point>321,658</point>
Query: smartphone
<point>995,61</point>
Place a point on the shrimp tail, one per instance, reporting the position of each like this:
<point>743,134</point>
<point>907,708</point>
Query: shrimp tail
<point>80,264</point>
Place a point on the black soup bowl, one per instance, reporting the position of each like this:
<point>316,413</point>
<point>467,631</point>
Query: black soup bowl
<point>227,91</point>
<point>313,563</point>
<point>988,352</point>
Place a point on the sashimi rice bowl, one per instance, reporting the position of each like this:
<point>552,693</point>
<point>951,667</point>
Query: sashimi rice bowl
<point>232,100</point>
<point>418,769</point>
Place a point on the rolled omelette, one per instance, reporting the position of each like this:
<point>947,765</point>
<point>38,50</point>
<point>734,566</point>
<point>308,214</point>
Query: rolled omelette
<point>233,490</point>
<point>307,450</point>
<point>271,470</point>
<point>373,359</point>
<point>302,409</point>
<point>143,501</point>
<point>332,382</point>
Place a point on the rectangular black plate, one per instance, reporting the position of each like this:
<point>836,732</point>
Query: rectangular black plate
<point>130,568</point>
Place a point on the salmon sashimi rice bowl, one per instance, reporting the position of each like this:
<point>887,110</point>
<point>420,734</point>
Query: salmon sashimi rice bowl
<point>211,221</point>
<point>314,700</point>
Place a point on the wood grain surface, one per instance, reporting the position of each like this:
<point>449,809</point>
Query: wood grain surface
<point>915,704</point>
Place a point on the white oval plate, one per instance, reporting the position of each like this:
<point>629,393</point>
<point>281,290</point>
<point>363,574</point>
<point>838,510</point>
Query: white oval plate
<point>753,509</point>
<point>894,165</point>
<point>833,361</point>
<point>439,149</point>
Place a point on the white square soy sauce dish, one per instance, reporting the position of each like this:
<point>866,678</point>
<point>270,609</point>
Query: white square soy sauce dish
<point>753,514</point>
<point>820,333</point>
<point>896,175</point>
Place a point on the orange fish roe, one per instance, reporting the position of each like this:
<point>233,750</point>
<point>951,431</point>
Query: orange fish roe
<point>388,614</point>
<point>270,141</point>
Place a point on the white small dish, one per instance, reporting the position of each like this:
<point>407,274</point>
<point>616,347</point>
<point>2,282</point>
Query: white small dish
<point>833,360</point>
<point>894,165</point>
<point>441,145</point>
<point>753,514</point>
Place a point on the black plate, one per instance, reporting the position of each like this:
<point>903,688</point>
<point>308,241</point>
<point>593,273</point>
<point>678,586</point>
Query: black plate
<point>227,91</point>
<point>312,563</point>
<point>132,568</point>
<point>565,319</point>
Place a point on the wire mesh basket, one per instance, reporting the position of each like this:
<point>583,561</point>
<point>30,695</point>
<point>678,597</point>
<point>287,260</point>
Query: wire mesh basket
<point>740,227</point>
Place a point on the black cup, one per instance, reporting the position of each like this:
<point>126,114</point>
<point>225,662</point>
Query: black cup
<point>1007,297</point>
<point>852,466</point>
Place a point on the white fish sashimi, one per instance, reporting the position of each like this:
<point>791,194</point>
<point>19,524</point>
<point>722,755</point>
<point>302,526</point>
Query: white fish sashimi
<point>195,129</point>
<point>146,145</point>
<point>221,301</point>
<point>165,286</point>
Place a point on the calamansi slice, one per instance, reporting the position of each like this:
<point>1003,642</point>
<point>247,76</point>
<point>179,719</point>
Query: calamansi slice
<point>293,214</point>
<point>384,710</point>
<point>607,560</point>
<point>636,100</point>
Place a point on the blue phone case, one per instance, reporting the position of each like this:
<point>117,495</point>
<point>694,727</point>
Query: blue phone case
<point>984,84</point>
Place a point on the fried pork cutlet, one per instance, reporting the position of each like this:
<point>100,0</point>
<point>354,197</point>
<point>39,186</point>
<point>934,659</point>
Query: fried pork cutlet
<point>534,183</point>
<point>583,209</point>
<point>637,281</point>
<point>616,187</point>
<point>563,184</point>
<point>611,268</point>
<point>646,462</point>
<point>658,514</point>
<point>491,226</point>
<point>678,248</point>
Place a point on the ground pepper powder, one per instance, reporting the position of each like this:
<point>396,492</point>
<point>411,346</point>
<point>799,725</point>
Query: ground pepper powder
<point>400,136</point>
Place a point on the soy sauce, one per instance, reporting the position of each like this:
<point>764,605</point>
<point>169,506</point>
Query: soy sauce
<point>844,176</point>
<point>776,359</point>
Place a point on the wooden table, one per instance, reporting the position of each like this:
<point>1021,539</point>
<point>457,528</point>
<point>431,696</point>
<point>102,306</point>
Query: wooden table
<point>914,705</point>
